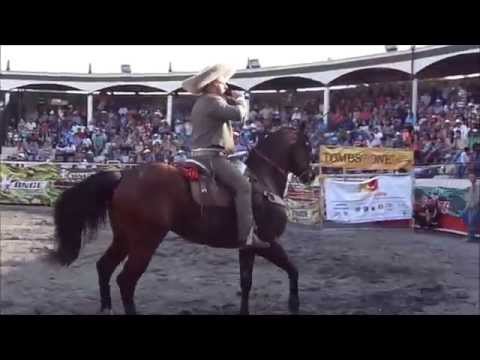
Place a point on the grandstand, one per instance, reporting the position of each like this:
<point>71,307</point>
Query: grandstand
<point>321,85</point>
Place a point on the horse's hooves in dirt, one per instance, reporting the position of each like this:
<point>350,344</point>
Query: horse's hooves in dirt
<point>294,304</point>
<point>244,312</point>
<point>106,312</point>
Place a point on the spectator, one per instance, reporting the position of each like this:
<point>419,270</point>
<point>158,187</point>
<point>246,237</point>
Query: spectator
<point>377,138</point>
<point>253,115</point>
<point>471,215</point>
<point>364,116</point>
<point>99,141</point>
<point>266,112</point>
<point>459,142</point>
<point>463,162</point>
<point>398,141</point>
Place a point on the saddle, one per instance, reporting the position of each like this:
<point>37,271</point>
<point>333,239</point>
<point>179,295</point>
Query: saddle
<point>207,191</point>
<point>204,187</point>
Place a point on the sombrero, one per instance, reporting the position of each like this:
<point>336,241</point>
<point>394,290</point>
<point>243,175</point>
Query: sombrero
<point>196,83</point>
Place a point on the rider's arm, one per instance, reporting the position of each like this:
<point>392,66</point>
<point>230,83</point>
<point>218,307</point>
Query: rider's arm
<point>221,110</point>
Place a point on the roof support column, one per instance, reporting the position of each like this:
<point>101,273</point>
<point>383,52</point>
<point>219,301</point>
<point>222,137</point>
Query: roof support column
<point>169,109</point>
<point>90,110</point>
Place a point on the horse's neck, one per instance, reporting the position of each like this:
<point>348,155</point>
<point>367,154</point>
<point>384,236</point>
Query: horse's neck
<point>266,174</point>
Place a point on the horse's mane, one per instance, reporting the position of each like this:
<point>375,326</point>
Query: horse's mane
<point>275,136</point>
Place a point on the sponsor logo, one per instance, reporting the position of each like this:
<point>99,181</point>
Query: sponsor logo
<point>8,185</point>
<point>370,186</point>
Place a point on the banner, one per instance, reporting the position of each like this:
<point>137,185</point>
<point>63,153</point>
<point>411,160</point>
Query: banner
<point>366,158</point>
<point>448,196</point>
<point>382,198</point>
<point>33,185</point>
<point>303,203</point>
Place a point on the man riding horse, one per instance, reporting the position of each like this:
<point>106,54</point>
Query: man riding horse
<point>212,140</point>
<point>144,204</point>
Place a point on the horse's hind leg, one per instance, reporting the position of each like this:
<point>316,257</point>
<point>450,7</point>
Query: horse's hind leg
<point>107,264</point>
<point>140,254</point>
<point>277,255</point>
<point>247,258</point>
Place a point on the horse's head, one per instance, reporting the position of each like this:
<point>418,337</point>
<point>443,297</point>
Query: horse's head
<point>300,155</point>
<point>285,150</point>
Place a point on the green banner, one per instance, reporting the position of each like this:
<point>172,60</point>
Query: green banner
<point>33,185</point>
<point>41,184</point>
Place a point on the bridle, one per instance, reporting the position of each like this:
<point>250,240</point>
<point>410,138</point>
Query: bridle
<point>275,166</point>
<point>270,162</point>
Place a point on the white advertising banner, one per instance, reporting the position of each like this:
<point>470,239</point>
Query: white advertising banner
<point>381,198</point>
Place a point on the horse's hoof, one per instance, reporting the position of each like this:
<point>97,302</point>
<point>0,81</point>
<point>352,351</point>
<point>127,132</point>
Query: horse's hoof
<point>244,312</point>
<point>294,304</point>
<point>106,312</point>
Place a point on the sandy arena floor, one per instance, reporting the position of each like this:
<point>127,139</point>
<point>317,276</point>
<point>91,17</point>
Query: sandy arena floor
<point>342,271</point>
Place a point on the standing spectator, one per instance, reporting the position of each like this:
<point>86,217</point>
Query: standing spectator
<point>138,151</point>
<point>458,142</point>
<point>266,112</point>
<point>475,160</point>
<point>471,215</point>
<point>409,120</point>
<point>425,99</point>
<point>99,141</point>
<point>464,129</point>
<point>296,116</point>
<point>473,138</point>
<point>463,162</point>
<point>252,116</point>
<point>44,130</point>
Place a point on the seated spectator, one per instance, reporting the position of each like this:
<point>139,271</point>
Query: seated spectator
<point>398,141</point>
<point>377,138</point>
<point>31,150</point>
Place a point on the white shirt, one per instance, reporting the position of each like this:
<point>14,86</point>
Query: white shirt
<point>87,142</point>
<point>464,158</point>
<point>188,128</point>
<point>30,126</point>
<point>179,128</point>
<point>426,99</point>
<point>464,130</point>
<point>297,115</point>
<point>377,139</point>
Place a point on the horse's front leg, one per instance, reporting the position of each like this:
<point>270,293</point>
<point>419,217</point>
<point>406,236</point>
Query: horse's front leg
<point>247,258</point>
<point>277,255</point>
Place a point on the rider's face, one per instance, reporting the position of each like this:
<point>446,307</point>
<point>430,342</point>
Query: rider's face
<point>220,87</point>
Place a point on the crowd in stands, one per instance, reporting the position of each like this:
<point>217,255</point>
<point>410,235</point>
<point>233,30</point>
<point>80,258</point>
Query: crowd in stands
<point>446,129</point>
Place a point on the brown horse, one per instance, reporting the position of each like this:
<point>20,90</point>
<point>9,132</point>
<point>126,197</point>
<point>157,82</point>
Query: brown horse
<point>147,202</point>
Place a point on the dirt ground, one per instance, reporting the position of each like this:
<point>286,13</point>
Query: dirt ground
<point>346,270</point>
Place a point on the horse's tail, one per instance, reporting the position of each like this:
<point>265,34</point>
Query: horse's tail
<point>79,209</point>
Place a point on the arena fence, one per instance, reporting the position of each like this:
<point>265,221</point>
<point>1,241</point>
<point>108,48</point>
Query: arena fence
<point>34,183</point>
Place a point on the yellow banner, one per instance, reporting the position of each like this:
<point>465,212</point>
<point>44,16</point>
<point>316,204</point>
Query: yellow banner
<point>366,158</point>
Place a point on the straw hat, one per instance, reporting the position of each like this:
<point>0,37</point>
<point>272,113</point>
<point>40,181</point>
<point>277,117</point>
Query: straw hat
<point>196,83</point>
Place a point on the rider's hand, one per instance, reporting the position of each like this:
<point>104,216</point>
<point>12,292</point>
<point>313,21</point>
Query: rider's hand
<point>236,94</point>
